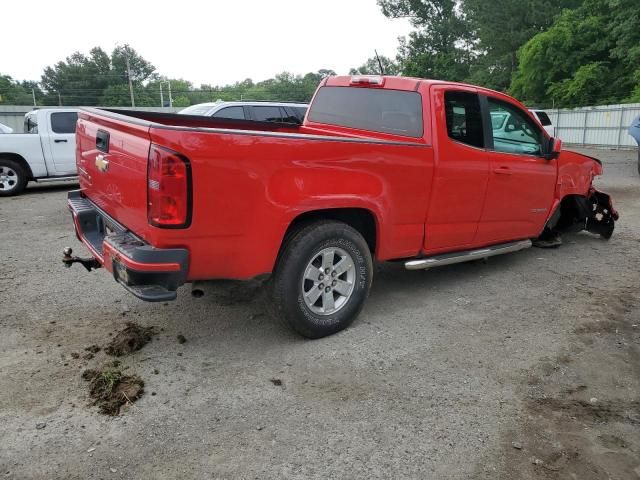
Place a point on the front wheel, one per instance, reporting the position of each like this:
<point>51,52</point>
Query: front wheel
<point>13,178</point>
<point>322,278</point>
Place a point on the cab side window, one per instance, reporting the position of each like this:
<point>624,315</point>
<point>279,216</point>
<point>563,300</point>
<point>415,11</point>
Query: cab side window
<point>513,131</point>
<point>464,118</point>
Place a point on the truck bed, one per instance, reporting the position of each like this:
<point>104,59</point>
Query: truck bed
<point>249,180</point>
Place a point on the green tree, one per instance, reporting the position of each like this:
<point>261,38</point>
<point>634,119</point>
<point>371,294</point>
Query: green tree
<point>440,47</point>
<point>116,96</point>
<point>80,79</point>
<point>140,68</point>
<point>90,79</point>
<point>500,28</point>
<point>181,101</point>
<point>588,56</point>
<point>13,92</point>
<point>372,67</point>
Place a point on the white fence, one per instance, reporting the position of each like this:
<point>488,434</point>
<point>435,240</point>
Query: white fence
<point>13,115</point>
<point>603,126</point>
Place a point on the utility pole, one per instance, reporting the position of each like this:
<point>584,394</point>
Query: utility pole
<point>133,102</point>
<point>59,100</point>
<point>170,99</point>
<point>33,92</point>
<point>161,96</point>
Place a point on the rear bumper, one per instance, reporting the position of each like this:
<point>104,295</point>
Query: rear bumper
<point>151,274</point>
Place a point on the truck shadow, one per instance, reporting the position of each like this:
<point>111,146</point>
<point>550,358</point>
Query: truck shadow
<point>396,292</point>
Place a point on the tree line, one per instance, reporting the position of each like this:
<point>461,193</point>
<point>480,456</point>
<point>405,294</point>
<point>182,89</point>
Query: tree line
<point>560,53</point>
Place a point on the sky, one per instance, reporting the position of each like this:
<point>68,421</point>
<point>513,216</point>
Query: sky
<point>214,42</point>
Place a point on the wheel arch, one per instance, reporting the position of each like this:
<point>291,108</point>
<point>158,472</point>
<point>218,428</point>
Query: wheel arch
<point>19,159</point>
<point>361,219</point>
<point>573,211</point>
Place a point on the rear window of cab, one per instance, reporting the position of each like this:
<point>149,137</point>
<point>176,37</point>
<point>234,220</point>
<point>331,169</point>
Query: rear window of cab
<point>397,112</point>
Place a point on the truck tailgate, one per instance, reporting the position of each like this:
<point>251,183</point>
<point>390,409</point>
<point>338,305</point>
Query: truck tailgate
<point>112,158</point>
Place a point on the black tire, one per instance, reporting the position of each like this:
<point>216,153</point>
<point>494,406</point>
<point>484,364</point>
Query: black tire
<point>13,177</point>
<point>289,284</point>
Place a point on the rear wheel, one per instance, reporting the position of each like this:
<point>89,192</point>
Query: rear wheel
<point>13,178</point>
<point>323,278</point>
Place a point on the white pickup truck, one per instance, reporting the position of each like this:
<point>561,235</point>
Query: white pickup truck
<point>44,152</point>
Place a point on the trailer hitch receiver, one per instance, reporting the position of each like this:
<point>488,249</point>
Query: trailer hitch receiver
<point>88,263</point>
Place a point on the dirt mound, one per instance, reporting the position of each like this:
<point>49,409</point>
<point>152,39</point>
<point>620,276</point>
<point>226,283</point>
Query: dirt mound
<point>129,340</point>
<point>93,349</point>
<point>110,388</point>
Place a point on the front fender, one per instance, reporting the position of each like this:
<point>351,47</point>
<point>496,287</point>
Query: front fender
<point>576,173</point>
<point>578,205</point>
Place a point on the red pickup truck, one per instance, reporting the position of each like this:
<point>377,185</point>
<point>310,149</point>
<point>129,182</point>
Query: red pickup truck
<point>387,168</point>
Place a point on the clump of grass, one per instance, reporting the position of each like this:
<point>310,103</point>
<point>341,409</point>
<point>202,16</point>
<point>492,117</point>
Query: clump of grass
<point>111,388</point>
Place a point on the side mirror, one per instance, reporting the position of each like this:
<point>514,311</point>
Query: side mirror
<point>554,148</point>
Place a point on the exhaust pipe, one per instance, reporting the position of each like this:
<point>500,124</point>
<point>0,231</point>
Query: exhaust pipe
<point>197,290</point>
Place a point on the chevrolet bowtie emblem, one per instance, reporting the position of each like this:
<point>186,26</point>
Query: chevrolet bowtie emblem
<point>102,163</point>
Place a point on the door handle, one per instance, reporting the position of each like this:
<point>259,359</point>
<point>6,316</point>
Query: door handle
<point>502,171</point>
<point>60,140</point>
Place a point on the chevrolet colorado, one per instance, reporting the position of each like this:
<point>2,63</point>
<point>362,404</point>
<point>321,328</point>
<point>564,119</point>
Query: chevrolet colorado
<point>384,168</point>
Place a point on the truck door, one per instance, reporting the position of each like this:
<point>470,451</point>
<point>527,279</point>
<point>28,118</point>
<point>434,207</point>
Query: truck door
<point>461,170</point>
<point>62,142</point>
<point>521,181</point>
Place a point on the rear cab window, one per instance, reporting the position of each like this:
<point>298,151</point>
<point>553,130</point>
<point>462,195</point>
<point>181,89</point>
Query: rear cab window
<point>395,112</point>
<point>64,122</point>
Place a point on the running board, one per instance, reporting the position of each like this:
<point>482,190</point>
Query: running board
<point>466,255</point>
<point>56,179</point>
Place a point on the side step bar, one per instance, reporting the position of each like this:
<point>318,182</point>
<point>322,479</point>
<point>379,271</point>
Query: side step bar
<point>466,255</point>
<point>56,179</point>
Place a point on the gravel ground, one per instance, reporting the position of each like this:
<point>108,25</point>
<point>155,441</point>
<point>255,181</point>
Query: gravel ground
<point>527,366</point>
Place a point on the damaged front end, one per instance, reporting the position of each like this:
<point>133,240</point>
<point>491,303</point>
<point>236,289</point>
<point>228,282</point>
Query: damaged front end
<point>594,213</point>
<point>603,215</point>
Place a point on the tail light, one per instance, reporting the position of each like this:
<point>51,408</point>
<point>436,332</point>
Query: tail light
<point>168,189</point>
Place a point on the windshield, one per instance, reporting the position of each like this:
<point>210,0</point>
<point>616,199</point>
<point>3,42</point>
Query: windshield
<point>497,120</point>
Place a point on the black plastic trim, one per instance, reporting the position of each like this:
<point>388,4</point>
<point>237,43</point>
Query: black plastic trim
<point>151,286</point>
<point>102,141</point>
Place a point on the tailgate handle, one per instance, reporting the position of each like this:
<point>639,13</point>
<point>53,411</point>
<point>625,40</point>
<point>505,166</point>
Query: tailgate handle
<point>60,140</point>
<point>102,141</point>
